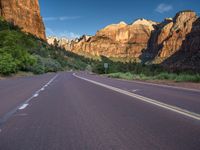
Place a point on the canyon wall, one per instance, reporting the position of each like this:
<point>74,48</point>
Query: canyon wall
<point>171,34</point>
<point>173,40</point>
<point>25,14</point>
<point>117,40</point>
<point>63,42</point>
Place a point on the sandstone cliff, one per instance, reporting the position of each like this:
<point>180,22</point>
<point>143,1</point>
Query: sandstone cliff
<point>171,36</point>
<point>188,55</point>
<point>175,42</point>
<point>25,14</point>
<point>117,40</point>
<point>60,42</point>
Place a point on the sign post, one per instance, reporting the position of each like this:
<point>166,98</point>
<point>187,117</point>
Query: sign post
<point>106,67</point>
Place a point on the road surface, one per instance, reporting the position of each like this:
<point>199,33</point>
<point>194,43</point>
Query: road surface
<point>67,111</point>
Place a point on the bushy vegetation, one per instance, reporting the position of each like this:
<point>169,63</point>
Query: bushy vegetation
<point>138,71</point>
<point>7,64</point>
<point>118,66</point>
<point>24,52</point>
<point>160,76</point>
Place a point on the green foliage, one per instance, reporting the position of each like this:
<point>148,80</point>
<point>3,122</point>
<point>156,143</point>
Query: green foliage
<point>25,52</point>
<point>119,75</point>
<point>187,77</point>
<point>44,65</point>
<point>12,45</point>
<point>166,76</point>
<point>139,71</point>
<point>7,64</point>
<point>37,69</point>
<point>4,25</point>
<point>159,76</point>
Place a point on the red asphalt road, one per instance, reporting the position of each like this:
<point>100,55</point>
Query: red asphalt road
<point>73,114</point>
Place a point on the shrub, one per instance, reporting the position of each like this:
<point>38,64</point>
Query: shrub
<point>21,57</point>
<point>37,69</point>
<point>127,75</point>
<point>7,64</point>
<point>187,77</point>
<point>51,65</point>
<point>44,65</point>
<point>165,76</point>
<point>98,68</point>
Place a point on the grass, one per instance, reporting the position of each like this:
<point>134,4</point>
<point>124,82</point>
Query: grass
<point>160,76</point>
<point>127,76</point>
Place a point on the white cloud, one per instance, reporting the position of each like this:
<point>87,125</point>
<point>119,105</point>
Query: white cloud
<point>61,18</point>
<point>59,34</point>
<point>162,8</point>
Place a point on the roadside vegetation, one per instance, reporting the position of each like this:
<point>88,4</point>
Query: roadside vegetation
<point>26,53</point>
<point>21,52</point>
<point>138,71</point>
<point>160,76</point>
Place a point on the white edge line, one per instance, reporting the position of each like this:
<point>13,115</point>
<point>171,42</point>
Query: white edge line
<point>161,85</point>
<point>145,99</point>
<point>23,106</point>
<point>36,95</point>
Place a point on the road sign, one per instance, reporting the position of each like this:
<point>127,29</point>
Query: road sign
<point>106,67</point>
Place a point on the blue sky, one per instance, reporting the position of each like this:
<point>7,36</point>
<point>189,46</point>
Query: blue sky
<point>73,18</point>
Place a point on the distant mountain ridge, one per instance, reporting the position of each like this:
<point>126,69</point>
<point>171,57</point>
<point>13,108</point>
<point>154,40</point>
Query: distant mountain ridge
<point>62,42</point>
<point>148,41</point>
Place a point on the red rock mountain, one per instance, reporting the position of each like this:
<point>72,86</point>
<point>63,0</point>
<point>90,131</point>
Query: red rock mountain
<point>25,14</point>
<point>174,40</point>
<point>117,40</point>
<point>172,33</point>
<point>188,54</point>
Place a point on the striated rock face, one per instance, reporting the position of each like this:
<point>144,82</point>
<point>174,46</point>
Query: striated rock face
<point>60,42</point>
<point>192,41</point>
<point>25,14</point>
<point>175,42</point>
<point>117,40</point>
<point>188,56</point>
<point>171,36</point>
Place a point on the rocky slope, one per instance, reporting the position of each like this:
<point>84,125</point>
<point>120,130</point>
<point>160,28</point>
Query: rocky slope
<point>63,42</point>
<point>117,40</point>
<point>171,34</point>
<point>173,40</point>
<point>188,55</point>
<point>25,14</point>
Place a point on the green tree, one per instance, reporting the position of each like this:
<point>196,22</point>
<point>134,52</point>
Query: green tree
<point>7,64</point>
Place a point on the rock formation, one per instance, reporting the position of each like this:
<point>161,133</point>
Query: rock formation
<point>188,55</point>
<point>25,14</point>
<point>117,40</point>
<point>171,36</point>
<point>60,42</point>
<point>166,42</point>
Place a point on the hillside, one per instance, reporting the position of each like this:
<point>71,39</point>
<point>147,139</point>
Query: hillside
<point>20,51</point>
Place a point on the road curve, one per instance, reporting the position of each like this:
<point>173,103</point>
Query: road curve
<point>70,113</point>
